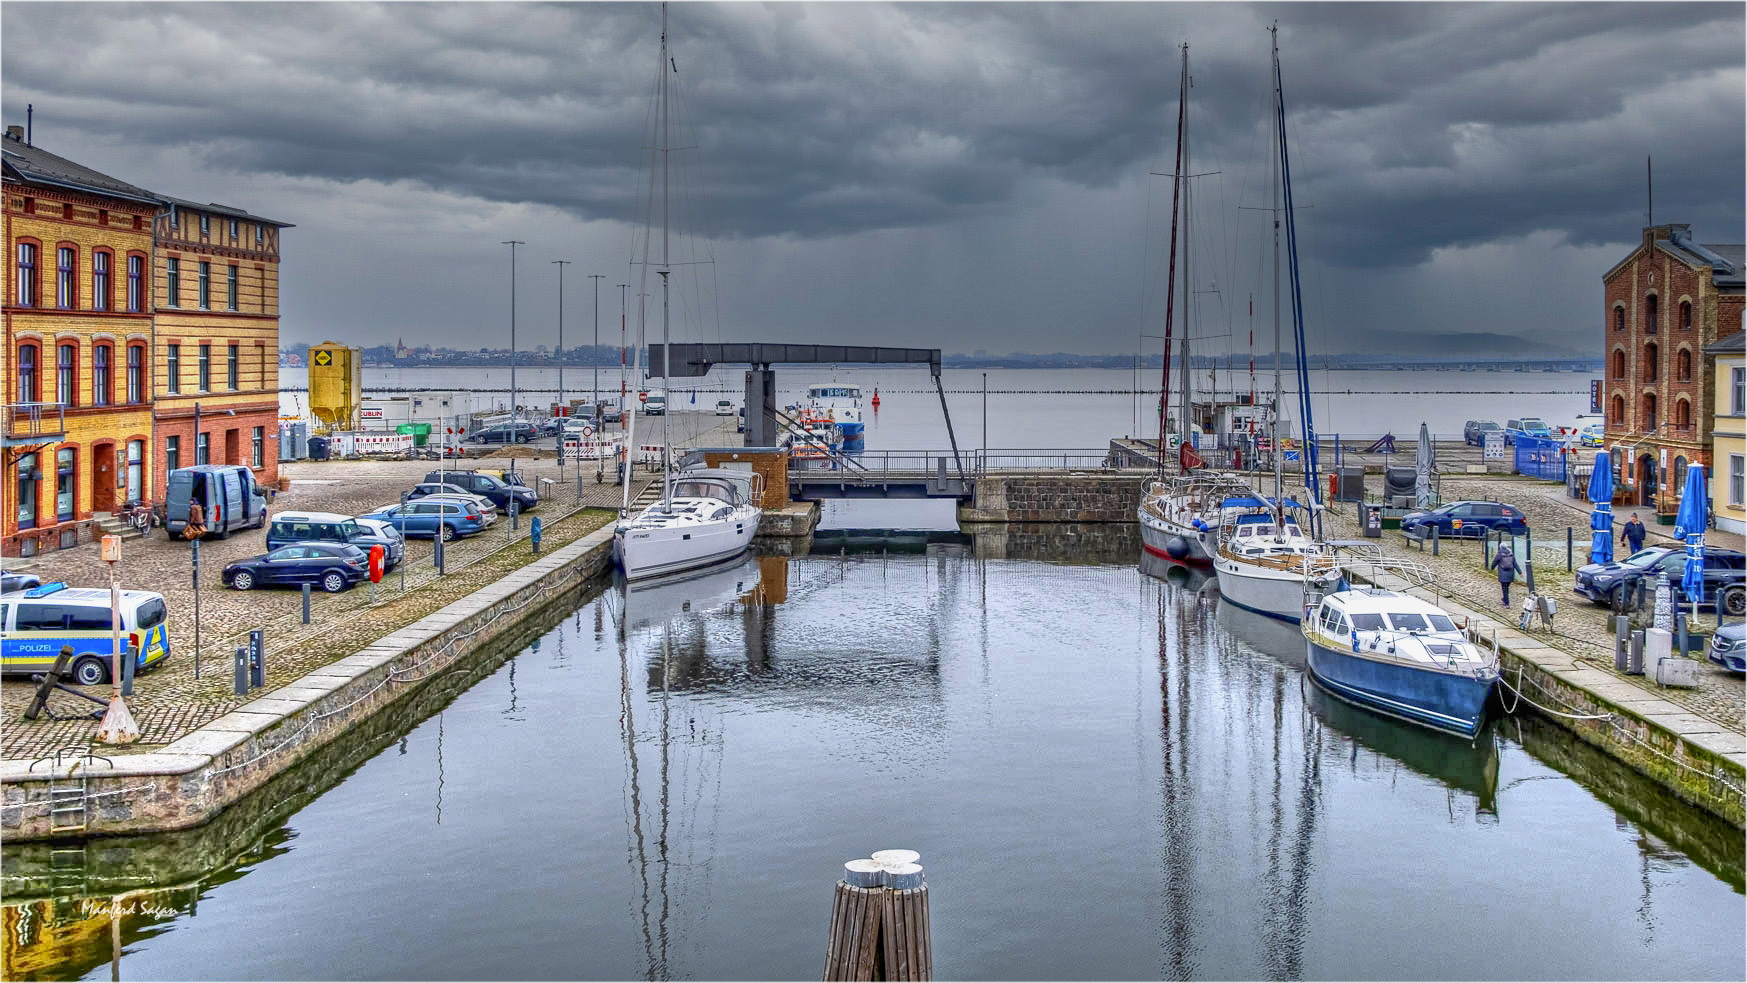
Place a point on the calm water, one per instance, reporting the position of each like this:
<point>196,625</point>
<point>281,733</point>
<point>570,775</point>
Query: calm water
<point>1067,408</point>
<point>1107,776</point>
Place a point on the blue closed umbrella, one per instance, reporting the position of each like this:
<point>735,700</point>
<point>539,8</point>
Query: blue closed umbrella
<point>1689,524</point>
<point>1601,492</point>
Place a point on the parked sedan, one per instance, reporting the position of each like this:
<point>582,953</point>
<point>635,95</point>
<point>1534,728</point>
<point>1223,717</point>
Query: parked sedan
<point>1592,435</point>
<point>425,489</point>
<point>432,516</point>
<point>1728,647</point>
<point>331,566</point>
<point>505,433</point>
<point>1611,583</point>
<point>1474,518</point>
<point>11,580</point>
<point>1476,430</point>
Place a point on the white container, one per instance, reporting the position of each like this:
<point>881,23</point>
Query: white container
<point>1676,671</point>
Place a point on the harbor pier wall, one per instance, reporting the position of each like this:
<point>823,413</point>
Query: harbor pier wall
<point>1069,497</point>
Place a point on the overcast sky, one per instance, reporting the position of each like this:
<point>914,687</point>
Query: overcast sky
<point>963,175</point>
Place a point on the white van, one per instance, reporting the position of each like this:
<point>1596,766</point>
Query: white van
<point>36,623</point>
<point>655,405</point>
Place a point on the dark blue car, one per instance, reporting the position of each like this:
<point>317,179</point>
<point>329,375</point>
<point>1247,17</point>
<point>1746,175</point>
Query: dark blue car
<point>331,566</point>
<point>1466,519</point>
<point>432,517</point>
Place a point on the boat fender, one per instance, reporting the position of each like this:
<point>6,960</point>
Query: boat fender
<point>1177,547</point>
<point>1355,640</point>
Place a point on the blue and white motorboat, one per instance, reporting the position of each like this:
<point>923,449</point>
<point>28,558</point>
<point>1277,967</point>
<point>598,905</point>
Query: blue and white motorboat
<point>840,404</point>
<point>1400,656</point>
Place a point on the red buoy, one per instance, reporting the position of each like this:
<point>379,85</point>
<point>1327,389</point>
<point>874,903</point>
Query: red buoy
<point>876,398</point>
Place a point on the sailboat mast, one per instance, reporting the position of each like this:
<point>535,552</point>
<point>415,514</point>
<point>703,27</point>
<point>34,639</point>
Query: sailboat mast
<point>1274,199</point>
<point>666,339</point>
<point>1171,264</point>
<point>1188,284</point>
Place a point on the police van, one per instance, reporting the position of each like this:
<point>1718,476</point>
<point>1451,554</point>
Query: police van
<point>36,623</point>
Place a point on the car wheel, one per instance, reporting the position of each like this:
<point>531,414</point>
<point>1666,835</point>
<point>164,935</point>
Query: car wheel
<point>1618,597</point>
<point>243,580</point>
<point>90,671</point>
<point>1735,601</point>
<point>448,534</point>
<point>333,582</point>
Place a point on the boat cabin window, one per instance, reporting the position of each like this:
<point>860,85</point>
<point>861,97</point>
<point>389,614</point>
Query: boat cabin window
<point>1441,622</point>
<point>1408,622</point>
<point>1367,622</point>
<point>1257,530</point>
<point>704,488</point>
<point>722,513</point>
<point>1333,622</point>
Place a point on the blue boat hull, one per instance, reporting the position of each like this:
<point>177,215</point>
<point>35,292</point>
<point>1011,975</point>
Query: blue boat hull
<point>1454,704</point>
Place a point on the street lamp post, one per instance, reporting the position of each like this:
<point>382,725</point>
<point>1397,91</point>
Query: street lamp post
<point>515,415</point>
<point>561,264</point>
<point>622,393</point>
<point>597,278</point>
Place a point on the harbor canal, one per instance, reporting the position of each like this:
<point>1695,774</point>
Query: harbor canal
<point>1108,776</point>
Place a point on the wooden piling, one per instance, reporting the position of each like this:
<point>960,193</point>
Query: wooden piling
<point>879,921</point>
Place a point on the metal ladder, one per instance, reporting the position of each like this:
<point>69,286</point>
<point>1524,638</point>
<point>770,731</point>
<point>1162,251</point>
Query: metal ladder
<point>69,795</point>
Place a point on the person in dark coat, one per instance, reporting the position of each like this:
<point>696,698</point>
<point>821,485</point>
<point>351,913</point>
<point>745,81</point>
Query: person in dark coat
<point>1505,563</point>
<point>1633,530</point>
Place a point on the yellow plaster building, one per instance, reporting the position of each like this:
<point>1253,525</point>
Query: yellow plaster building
<point>1729,436</point>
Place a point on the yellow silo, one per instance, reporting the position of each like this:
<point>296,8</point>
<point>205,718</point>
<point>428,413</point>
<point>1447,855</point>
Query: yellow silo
<point>336,384</point>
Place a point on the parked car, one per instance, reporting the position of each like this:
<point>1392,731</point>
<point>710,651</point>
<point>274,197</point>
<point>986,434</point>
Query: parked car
<point>610,413</point>
<point>448,490</point>
<point>655,405</point>
<point>1528,426</point>
<point>1728,647</point>
<point>391,557</point>
<point>36,623</point>
<point>505,433</point>
<point>740,424</point>
<point>1476,430</point>
<point>724,407</point>
<point>1476,519</point>
<point>292,528</point>
<point>578,416</point>
<point>432,516</point>
<point>1592,435</point>
<point>333,567</point>
<point>11,580</point>
<point>1725,576</point>
<point>489,487</point>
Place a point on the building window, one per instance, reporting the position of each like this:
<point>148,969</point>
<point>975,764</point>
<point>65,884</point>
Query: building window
<point>205,285</point>
<point>259,233</point>
<point>204,369</point>
<point>1686,315</point>
<point>136,283</point>
<point>66,481</point>
<point>1737,477</point>
<point>172,453</point>
<point>26,491</point>
<point>231,286</point>
<point>26,388</point>
<point>66,374</point>
<point>136,373</point>
<point>202,448</point>
<point>230,367</point>
<point>1682,414</point>
<point>205,225</point>
<point>233,229</point>
<point>27,274</point>
<point>1620,318</point>
<point>1651,324</point>
<point>1652,355</point>
<point>1738,391</point>
<point>1619,363</point>
<point>1649,421</point>
<point>66,267</point>
<point>258,447</point>
<point>136,470</point>
<point>1683,365</point>
<point>1618,416</point>
<point>100,289</point>
<point>173,282</point>
<point>172,368</point>
<point>102,375</point>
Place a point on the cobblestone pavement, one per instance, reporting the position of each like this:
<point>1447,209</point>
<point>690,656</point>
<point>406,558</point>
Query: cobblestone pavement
<point>1583,629</point>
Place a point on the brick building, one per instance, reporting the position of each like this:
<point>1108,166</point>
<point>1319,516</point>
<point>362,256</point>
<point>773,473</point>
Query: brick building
<point>78,324</point>
<point>1667,300</point>
<point>128,316</point>
<point>216,293</point>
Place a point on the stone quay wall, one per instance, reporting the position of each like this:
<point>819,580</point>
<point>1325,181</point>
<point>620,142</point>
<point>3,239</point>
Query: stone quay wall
<point>195,778</point>
<point>1054,498</point>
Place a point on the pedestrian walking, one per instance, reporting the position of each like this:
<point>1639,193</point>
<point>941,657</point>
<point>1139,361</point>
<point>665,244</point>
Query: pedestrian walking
<point>196,526</point>
<point>1633,530</point>
<point>1504,561</point>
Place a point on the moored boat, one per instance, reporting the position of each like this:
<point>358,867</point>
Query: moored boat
<point>839,405</point>
<point>710,515</point>
<point>1400,656</point>
<point>1176,514</point>
<point>1266,563</point>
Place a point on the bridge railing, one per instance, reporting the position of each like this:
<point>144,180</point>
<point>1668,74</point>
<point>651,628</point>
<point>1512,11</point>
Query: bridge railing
<point>881,464</point>
<point>1039,459</point>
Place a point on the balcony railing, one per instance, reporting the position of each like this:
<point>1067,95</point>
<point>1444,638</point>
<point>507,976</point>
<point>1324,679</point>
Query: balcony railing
<point>33,423</point>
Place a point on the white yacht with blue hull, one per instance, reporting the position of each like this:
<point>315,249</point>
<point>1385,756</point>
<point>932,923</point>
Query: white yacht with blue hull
<point>1400,656</point>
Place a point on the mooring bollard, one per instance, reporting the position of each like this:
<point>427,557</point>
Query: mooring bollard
<point>879,921</point>
<point>1435,540</point>
<point>1568,541</point>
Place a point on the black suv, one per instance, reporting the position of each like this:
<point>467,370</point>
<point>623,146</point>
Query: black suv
<point>490,487</point>
<point>1476,430</point>
<point>1725,576</point>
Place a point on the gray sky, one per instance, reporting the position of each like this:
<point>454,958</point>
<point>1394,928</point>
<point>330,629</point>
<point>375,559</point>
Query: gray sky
<point>963,175</point>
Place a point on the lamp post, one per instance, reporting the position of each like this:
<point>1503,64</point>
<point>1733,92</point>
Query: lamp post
<point>622,393</point>
<point>597,278</point>
<point>515,416</point>
<point>561,264</point>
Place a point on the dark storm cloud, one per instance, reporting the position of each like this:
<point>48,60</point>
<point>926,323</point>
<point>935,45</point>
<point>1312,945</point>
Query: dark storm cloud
<point>1417,128</point>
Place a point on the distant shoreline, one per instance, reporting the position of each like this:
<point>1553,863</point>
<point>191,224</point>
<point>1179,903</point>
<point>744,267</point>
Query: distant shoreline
<point>1445,365</point>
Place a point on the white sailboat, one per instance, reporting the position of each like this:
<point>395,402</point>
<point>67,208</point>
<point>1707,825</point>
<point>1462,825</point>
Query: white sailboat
<point>1264,560</point>
<point>705,515</point>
